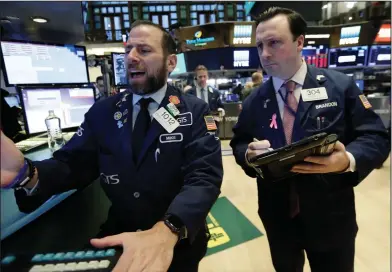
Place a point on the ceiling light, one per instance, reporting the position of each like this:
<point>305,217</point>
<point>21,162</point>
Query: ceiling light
<point>39,19</point>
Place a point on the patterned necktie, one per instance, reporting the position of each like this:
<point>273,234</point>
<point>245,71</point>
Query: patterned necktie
<point>142,124</point>
<point>290,109</point>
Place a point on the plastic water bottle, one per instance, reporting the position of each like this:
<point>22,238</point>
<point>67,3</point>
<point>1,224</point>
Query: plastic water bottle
<point>55,136</point>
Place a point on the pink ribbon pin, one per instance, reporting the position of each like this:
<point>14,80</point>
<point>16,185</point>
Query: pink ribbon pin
<point>273,122</point>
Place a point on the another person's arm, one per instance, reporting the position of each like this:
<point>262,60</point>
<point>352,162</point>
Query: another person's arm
<point>203,174</point>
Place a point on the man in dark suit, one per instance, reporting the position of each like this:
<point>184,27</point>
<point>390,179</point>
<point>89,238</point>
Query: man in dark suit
<point>205,92</point>
<point>161,173</point>
<point>313,210</point>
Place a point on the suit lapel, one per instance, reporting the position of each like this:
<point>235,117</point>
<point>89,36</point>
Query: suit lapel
<point>310,82</point>
<point>123,139</point>
<point>303,107</point>
<point>156,129</point>
<point>270,109</point>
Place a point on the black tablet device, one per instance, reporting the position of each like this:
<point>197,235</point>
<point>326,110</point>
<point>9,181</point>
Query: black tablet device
<point>276,164</point>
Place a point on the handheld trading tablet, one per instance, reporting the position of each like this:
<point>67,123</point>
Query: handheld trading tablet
<point>276,164</point>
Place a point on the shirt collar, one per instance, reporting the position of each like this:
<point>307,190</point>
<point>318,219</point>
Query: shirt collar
<point>299,77</point>
<point>157,96</point>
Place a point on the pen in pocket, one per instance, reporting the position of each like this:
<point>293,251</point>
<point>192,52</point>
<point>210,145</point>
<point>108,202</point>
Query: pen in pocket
<point>318,123</point>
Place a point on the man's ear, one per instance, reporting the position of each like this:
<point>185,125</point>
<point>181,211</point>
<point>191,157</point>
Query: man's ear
<point>171,62</point>
<point>300,43</point>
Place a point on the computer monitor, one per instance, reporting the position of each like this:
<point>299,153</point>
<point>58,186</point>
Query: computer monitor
<point>12,101</point>
<point>380,55</point>
<point>69,104</point>
<point>241,59</point>
<point>316,55</point>
<point>119,69</point>
<point>181,65</point>
<point>28,63</point>
<point>348,57</point>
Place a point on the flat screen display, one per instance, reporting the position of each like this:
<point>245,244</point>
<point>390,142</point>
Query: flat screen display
<point>241,59</point>
<point>380,55</point>
<point>349,35</point>
<point>181,65</point>
<point>242,34</point>
<point>348,57</point>
<point>119,69</point>
<point>69,104</point>
<point>38,63</point>
<point>384,34</point>
<point>316,55</point>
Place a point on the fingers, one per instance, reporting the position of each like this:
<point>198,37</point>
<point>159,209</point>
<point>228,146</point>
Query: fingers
<point>124,263</point>
<point>305,168</point>
<point>339,146</point>
<point>264,144</point>
<point>318,160</point>
<point>108,241</point>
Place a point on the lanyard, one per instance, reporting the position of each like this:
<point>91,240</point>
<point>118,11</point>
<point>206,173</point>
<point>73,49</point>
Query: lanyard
<point>285,103</point>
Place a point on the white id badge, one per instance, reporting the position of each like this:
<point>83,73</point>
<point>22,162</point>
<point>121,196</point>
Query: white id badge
<point>314,94</point>
<point>166,120</point>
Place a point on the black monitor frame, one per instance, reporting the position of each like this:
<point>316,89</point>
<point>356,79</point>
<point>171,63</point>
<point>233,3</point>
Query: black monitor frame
<point>26,124</point>
<point>42,84</point>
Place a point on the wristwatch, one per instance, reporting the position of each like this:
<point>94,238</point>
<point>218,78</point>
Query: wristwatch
<point>27,176</point>
<point>176,226</point>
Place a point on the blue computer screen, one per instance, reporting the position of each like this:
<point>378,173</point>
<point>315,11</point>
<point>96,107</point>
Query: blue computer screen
<point>380,55</point>
<point>355,56</point>
<point>31,63</point>
<point>181,65</point>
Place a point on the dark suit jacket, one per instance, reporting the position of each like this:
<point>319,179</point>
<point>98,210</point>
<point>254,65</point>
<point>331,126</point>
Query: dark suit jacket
<point>326,201</point>
<point>178,173</point>
<point>213,98</point>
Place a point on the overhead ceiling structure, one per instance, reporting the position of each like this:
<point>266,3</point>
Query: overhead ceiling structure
<point>64,21</point>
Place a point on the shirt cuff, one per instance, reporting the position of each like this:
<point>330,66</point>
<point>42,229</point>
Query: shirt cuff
<point>32,191</point>
<point>352,166</point>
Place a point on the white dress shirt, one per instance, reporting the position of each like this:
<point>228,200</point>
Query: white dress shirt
<point>199,95</point>
<point>152,107</point>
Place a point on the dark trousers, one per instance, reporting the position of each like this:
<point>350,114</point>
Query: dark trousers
<point>287,252</point>
<point>186,257</point>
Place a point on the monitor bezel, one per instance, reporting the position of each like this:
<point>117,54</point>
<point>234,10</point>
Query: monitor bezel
<point>8,84</point>
<point>26,124</point>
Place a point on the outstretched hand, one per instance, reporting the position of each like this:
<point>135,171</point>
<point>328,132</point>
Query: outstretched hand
<point>150,250</point>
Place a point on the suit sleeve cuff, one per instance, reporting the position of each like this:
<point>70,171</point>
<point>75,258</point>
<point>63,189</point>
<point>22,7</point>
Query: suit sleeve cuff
<point>352,166</point>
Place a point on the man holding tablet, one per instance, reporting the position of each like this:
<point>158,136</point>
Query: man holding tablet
<point>314,210</point>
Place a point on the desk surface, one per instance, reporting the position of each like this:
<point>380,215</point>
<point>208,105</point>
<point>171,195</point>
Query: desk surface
<point>78,217</point>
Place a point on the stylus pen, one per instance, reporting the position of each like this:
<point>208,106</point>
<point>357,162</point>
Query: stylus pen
<point>269,148</point>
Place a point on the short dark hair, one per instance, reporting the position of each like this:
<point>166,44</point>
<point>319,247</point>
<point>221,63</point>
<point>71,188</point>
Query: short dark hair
<point>297,23</point>
<point>99,78</point>
<point>168,44</point>
<point>201,67</point>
